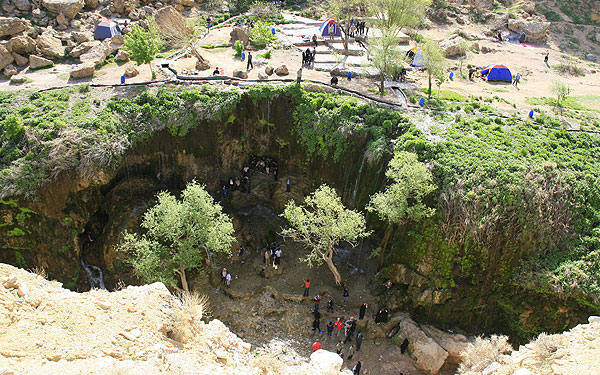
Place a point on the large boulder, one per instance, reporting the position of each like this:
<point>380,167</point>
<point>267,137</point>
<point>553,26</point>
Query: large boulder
<point>240,74</point>
<point>19,59</point>
<point>122,6</point>
<point>327,363</point>
<point>453,46</point>
<point>11,26</point>
<point>453,343</point>
<point>172,24</point>
<point>10,70</point>
<point>202,64</point>
<point>91,4</point>
<point>269,70</point>
<point>82,36</point>
<point>122,55</point>
<point>429,356</point>
<point>131,71</point>
<point>5,57</point>
<point>239,33</point>
<point>21,44</point>
<point>83,71</point>
<point>282,70</point>
<point>36,62</point>
<point>83,48</point>
<point>50,46</point>
<point>68,8</point>
<point>535,32</point>
<point>23,5</point>
<point>98,53</point>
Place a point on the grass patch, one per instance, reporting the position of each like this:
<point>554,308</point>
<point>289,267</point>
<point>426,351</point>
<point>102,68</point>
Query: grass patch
<point>569,103</point>
<point>448,95</point>
<point>214,46</point>
<point>569,69</point>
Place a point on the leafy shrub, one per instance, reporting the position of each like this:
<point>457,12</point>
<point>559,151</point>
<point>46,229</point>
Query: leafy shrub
<point>239,48</point>
<point>478,355</point>
<point>570,69</point>
<point>260,34</point>
<point>266,55</point>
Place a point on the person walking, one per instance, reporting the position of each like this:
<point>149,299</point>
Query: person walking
<point>359,338</point>
<point>362,311</point>
<point>317,300</point>
<point>223,275</point>
<point>314,39</point>
<point>277,258</point>
<point>329,328</point>
<point>346,294</point>
<point>339,347</point>
<point>287,185</point>
<point>330,306</point>
<point>306,287</point>
<point>316,325</point>
<point>299,76</point>
<point>249,65</point>
<point>228,280</point>
<point>546,56</point>
<point>316,346</point>
<point>516,81</point>
<point>316,314</point>
<point>351,352</point>
<point>356,368</point>
<point>338,325</point>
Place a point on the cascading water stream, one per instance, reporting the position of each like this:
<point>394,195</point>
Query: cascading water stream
<point>94,274</point>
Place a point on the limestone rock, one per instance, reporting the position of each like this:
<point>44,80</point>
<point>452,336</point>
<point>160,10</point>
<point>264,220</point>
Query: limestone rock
<point>11,26</point>
<point>10,70</point>
<point>61,19</point>
<point>262,76</point>
<point>282,70</point>
<point>452,46</point>
<point>240,74</point>
<point>202,64</point>
<point>18,79</point>
<point>326,362</point>
<point>102,304</point>
<point>23,5</point>
<point>131,71</point>
<point>83,71</point>
<point>269,70</point>
<point>491,368</point>
<point>36,62</point>
<point>21,44</point>
<point>522,371</point>
<point>83,48</point>
<point>50,46</point>
<point>452,343</point>
<point>594,319</point>
<point>122,55</point>
<point>20,60</point>
<point>91,4</point>
<point>239,33</point>
<point>429,356</point>
<point>187,3</point>
<point>5,57</point>
<point>534,31</point>
<point>529,7</point>
<point>69,8</point>
<point>82,36</point>
<point>122,6</point>
<point>172,23</point>
<point>96,54</point>
<point>6,371</point>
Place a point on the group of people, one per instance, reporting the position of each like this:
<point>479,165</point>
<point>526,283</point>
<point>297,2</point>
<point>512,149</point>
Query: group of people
<point>262,165</point>
<point>357,27</point>
<point>272,255</point>
<point>226,278</point>
<point>308,57</point>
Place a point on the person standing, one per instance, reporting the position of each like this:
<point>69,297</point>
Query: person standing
<point>546,56</point>
<point>316,314</point>
<point>316,325</point>
<point>362,311</point>
<point>338,325</point>
<point>277,258</point>
<point>331,30</point>
<point>356,368</point>
<point>306,287</point>
<point>351,352</point>
<point>339,347</point>
<point>241,254</point>
<point>228,280</point>
<point>317,300</point>
<point>516,81</point>
<point>287,185</point>
<point>359,338</point>
<point>329,328</point>
<point>346,294</point>
<point>299,76</point>
<point>316,346</point>
<point>314,39</point>
<point>224,275</point>
<point>249,65</point>
<point>330,306</point>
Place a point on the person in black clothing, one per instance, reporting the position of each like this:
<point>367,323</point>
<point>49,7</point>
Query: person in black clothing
<point>249,65</point>
<point>356,368</point>
<point>317,325</point>
<point>316,314</point>
<point>404,346</point>
<point>362,311</point>
<point>216,72</point>
<point>334,81</point>
<point>471,72</point>
<point>359,338</point>
<point>275,172</point>
<point>287,185</point>
<point>314,39</point>
<point>346,294</point>
<point>330,306</point>
<point>329,328</point>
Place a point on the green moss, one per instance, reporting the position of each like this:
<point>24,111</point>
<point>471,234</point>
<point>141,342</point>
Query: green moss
<point>15,232</point>
<point>20,259</point>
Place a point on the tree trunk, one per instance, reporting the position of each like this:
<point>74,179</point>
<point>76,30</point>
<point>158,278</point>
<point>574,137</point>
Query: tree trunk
<point>381,87</point>
<point>384,242</point>
<point>151,71</point>
<point>328,258</point>
<point>429,85</point>
<point>184,283</point>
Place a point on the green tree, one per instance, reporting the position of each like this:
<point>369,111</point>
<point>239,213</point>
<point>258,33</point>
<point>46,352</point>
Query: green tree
<point>142,46</point>
<point>562,91</point>
<point>386,55</point>
<point>403,199</point>
<point>321,224</point>
<point>435,61</point>
<point>177,233</point>
<point>342,11</point>
<point>395,14</point>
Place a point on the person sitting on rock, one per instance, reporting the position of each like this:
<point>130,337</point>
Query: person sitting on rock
<point>216,72</point>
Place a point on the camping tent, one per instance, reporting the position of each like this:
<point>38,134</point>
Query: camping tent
<point>324,29</point>
<point>417,57</point>
<point>106,29</point>
<point>497,73</point>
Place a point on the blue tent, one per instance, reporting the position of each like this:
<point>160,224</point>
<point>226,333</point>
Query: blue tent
<point>497,73</point>
<point>106,29</point>
<point>417,57</point>
<point>324,29</point>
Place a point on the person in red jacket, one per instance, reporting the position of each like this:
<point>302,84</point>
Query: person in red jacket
<point>316,346</point>
<point>338,325</point>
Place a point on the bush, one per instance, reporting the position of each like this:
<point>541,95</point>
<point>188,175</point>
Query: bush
<point>266,55</point>
<point>570,69</point>
<point>477,356</point>
<point>239,47</point>
<point>260,34</point>
<point>187,314</point>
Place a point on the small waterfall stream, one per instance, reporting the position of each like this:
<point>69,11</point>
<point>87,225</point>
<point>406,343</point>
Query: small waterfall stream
<point>94,274</point>
<point>362,164</point>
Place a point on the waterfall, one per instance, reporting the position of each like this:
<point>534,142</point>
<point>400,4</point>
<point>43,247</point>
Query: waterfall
<point>362,164</point>
<point>94,274</point>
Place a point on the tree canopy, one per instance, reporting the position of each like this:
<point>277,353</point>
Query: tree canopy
<point>321,224</point>
<point>141,45</point>
<point>435,61</point>
<point>387,55</point>
<point>395,14</point>
<point>178,233</point>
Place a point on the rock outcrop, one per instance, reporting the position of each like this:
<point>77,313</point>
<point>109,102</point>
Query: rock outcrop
<point>326,362</point>
<point>239,33</point>
<point>83,71</point>
<point>11,26</point>
<point>68,8</point>
<point>535,31</point>
<point>5,57</point>
<point>22,44</point>
<point>240,74</point>
<point>453,46</point>
<point>172,24</point>
<point>282,70</point>
<point>50,46</point>
<point>36,62</point>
